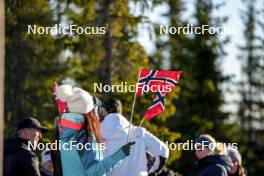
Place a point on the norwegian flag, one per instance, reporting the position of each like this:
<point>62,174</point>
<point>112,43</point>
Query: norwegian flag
<point>157,106</point>
<point>157,81</point>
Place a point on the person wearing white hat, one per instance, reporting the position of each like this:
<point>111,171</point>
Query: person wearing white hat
<point>46,166</point>
<point>237,169</point>
<point>80,123</point>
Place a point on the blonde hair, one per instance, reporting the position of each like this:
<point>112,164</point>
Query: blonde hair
<point>242,171</point>
<point>220,149</point>
<point>209,137</point>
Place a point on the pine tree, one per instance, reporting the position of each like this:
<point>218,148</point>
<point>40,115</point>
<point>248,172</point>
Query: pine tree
<point>200,98</point>
<point>31,62</point>
<point>250,110</point>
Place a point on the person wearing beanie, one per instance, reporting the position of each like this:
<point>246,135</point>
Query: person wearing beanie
<point>46,166</point>
<point>55,154</point>
<point>79,122</point>
<point>212,161</point>
<point>237,169</point>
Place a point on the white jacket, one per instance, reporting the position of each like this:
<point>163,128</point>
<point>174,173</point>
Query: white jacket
<point>115,131</point>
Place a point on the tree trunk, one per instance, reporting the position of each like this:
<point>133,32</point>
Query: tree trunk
<point>106,66</point>
<point>2,55</point>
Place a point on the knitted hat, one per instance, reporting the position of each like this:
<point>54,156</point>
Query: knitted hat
<point>78,100</point>
<point>234,154</point>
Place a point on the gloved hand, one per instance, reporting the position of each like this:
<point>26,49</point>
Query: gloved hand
<point>127,148</point>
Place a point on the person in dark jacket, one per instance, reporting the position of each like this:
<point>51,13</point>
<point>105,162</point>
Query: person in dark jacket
<point>19,159</point>
<point>211,161</point>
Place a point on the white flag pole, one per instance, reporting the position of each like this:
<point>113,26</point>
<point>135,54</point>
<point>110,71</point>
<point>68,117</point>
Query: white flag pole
<point>133,107</point>
<point>141,122</point>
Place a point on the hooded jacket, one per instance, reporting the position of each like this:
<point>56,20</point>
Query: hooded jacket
<point>19,159</point>
<point>87,161</point>
<point>115,129</point>
<point>214,165</point>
